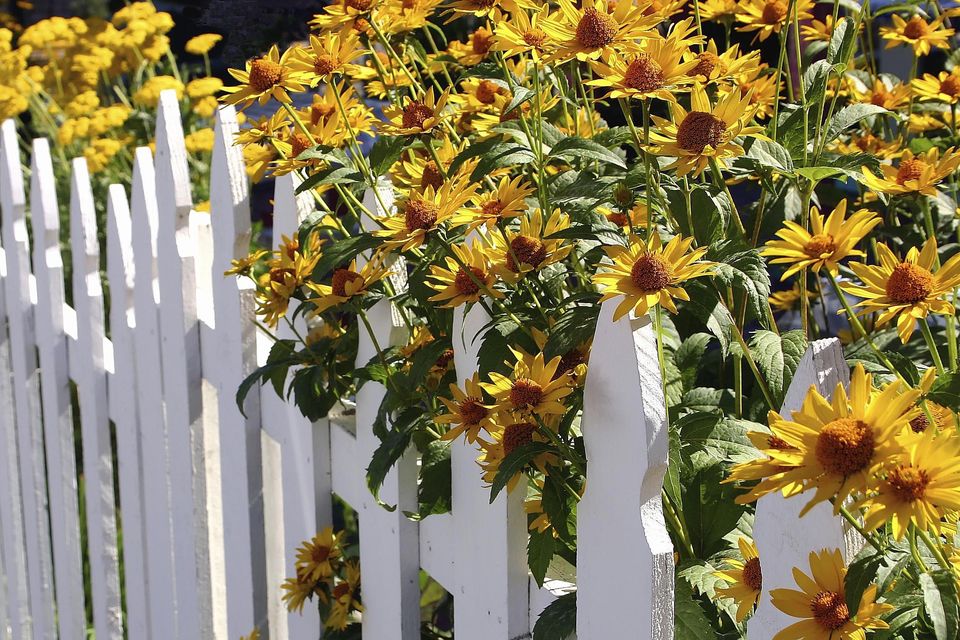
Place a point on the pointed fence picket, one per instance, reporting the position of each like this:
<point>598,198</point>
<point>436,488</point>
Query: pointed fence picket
<point>213,501</point>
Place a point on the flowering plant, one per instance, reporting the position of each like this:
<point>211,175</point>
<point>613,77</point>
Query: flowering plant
<point>518,197</point>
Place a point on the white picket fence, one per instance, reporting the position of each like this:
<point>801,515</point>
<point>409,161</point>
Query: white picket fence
<point>213,503</point>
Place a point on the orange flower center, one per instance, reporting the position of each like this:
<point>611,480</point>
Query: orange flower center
<point>752,576</point>
<point>445,359</point>
<point>481,41</point>
<point>471,411</point>
<point>516,435</point>
<point>909,284</point>
<point>465,284</point>
<point>528,250</point>
<point>879,98</point>
<point>525,393</point>
<point>264,74</point>
<point>361,25</point>
<point>596,29</point>
<point>535,38</point>
<point>570,361</point>
<point>916,28</point>
<point>299,143</point>
<point>492,208</point>
<point>910,169</point>
<point>431,176</point>
<point>845,446</point>
<point>951,86</point>
<point>908,482</point>
<point>829,610</point>
<point>699,130</point>
<point>340,279</point>
<point>420,214</point>
<point>359,5</point>
<point>619,218</point>
<point>650,273</point>
<point>819,244</point>
<point>487,91</point>
<point>320,554</point>
<point>921,422</point>
<point>774,12</point>
<point>644,74</point>
<point>324,64</point>
<point>415,114</point>
<point>707,61</point>
<point>341,590</point>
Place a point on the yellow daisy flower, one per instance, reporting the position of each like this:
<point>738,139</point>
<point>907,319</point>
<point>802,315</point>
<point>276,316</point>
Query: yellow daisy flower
<point>633,218</point>
<point>788,299</point>
<point>883,93</point>
<point>597,28</point>
<point>822,606</point>
<point>923,36</point>
<point>344,598</point>
<point>506,202</point>
<point>722,11</point>
<point>319,556</point>
<point>704,133</point>
<point>467,411</point>
<point>830,241</point>
<point>347,284</point>
<point>533,386</point>
<point>529,248</point>
<point>455,284</point>
<point>712,66</point>
<point>943,87</point>
<point>505,441</point>
<point>264,78</point>
<point>201,44</point>
<point>914,174</point>
<point>424,211</point>
<point>745,578</point>
<point>762,87</point>
<point>492,9</point>
<point>768,17</point>
<point>474,50</point>
<point>647,274</point>
<point>908,289</point>
<point>656,71</point>
<point>328,54</point>
<point>522,34</point>
<point>867,142</point>
<point>296,591</point>
<point>291,267</point>
<point>819,31</point>
<point>416,116</point>
<point>769,469</point>
<point>352,14</point>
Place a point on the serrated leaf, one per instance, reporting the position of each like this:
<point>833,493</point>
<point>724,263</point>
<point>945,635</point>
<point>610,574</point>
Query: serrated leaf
<point>391,448</point>
<point>573,147</point>
<point>941,602</point>
<point>341,252</point>
<point>514,463</point>
<point>540,550</point>
<point>493,153</point>
<point>688,357</point>
<point>946,391</point>
<point>777,356</point>
<point>842,41</point>
<point>558,621</point>
<point>385,151</point>
<point>861,573</point>
<point>745,270</point>
<point>770,154</point>
<point>690,621</point>
<point>573,328</point>
<point>850,115</point>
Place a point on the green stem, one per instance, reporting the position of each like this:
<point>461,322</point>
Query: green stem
<point>931,345</point>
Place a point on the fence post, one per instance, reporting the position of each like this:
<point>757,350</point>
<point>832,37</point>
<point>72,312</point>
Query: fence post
<point>182,379</point>
<point>492,587</point>
<point>123,408</point>
<point>91,378</point>
<point>389,542</point>
<point>157,521</point>
<point>624,553</point>
<point>234,357</point>
<point>52,348</point>
<point>784,540</point>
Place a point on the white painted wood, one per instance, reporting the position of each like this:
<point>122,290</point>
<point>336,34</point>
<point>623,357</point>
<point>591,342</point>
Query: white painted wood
<point>624,553</point>
<point>157,519</point>
<point>389,542</point>
<point>11,511</point>
<point>55,394</point>
<point>295,434</point>
<point>5,631</point>
<point>94,418</point>
<point>182,379</point>
<point>784,540</point>
<point>26,387</point>
<point>347,483</point>
<point>542,597</point>
<point>438,548</point>
<point>490,558</point>
<point>233,358</point>
<point>121,394</point>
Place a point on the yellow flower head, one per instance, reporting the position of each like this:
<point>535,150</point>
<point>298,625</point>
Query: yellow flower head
<point>914,174</point>
<point>530,247</point>
<point>768,17</point>
<point>269,76</point>
<point>712,66</point>
<point>416,116</point>
<point>328,54</point>
<point>923,36</point>
<point>319,557</point>
<point>943,87</point>
<point>148,95</point>
<point>535,386</point>
<point>347,283</point>
<point>466,278</point>
<point>203,43</point>
<point>468,411</point>
<point>745,579</point>
<point>656,71</point>
<point>597,28</point>
<point>522,34</point>
<point>424,211</point>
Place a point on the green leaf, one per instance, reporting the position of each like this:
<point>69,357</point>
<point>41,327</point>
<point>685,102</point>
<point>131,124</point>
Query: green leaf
<point>941,602</point>
<point>330,175</point>
<point>559,620</point>
<point>540,550</point>
<point>514,463</point>
<point>690,622</point>
<point>281,358</point>
<point>494,153</point>
<point>777,356</point>
<point>435,479</point>
<point>842,41</point>
<point>946,391</point>
<point>385,151</point>
<point>770,154</point>
<point>850,115</point>
<point>340,253</point>
<point>574,147</point>
<point>861,573</point>
<point>745,270</point>
<point>688,358</point>
<point>573,328</point>
<point>391,448</point>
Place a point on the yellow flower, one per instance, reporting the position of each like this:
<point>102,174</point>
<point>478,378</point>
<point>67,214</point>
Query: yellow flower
<point>329,54</point>
<point>148,95</point>
<point>508,439</point>
<point>416,116</point>
<point>762,87</point>
<point>267,77</point>
<point>347,283</point>
<point>867,142</point>
<point>257,159</point>
<point>344,598</point>
<point>835,448</point>
<point>459,285</point>
<point>100,152</point>
<point>83,104</point>
<point>534,386</point>
<point>254,635</point>
<point>530,248</point>
<point>745,579</point>
<point>635,217</point>
<point>821,603</point>
<point>789,299</point>
<point>522,34</point>
<point>204,87</point>
<point>722,11</point>
<point>417,170</point>
<point>884,93</point>
<point>828,244</point>
<point>768,17</point>
<point>915,174</point>
<point>201,44</point>
<point>920,486</point>
<point>475,50</point>
<point>199,141</point>
<point>487,8</point>
<point>712,66</point>
<point>918,33</point>
<point>244,266</point>
<point>820,31</point>
<point>318,558</point>
<point>647,274</point>
<point>424,211</point>
<point>908,289</point>
<point>944,87</point>
<point>656,71</point>
<point>467,411</point>
<point>290,268</point>
<point>350,14</point>
<point>705,132</point>
<point>296,591</point>
<point>597,28</point>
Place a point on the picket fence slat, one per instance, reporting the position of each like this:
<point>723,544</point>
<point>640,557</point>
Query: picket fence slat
<point>55,394</point>
<point>214,501</point>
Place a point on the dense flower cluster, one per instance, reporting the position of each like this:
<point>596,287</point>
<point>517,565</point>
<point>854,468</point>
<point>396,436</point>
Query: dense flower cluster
<point>562,155</point>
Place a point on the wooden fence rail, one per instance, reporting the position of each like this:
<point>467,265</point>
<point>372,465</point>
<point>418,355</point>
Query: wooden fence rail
<point>213,501</point>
